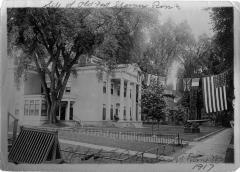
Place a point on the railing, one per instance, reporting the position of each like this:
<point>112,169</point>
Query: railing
<point>131,135</point>
<point>15,126</point>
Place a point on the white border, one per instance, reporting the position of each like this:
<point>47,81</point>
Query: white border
<point>117,167</point>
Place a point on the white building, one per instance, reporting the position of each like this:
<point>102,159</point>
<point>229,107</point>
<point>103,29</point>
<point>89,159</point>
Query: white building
<point>93,97</point>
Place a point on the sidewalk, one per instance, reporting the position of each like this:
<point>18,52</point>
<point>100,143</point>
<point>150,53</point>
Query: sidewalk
<point>211,150</point>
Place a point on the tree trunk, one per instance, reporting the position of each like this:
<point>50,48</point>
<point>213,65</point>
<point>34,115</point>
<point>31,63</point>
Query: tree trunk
<point>52,112</point>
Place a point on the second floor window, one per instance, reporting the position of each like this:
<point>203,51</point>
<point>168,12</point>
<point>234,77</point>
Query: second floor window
<point>112,88</point>
<point>125,90</point>
<point>118,90</point>
<point>68,89</point>
<point>104,87</point>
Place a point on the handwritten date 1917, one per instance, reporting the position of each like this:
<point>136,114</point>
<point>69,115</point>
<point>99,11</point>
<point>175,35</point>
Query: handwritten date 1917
<point>203,167</point>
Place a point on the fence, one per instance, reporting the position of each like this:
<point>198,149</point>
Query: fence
<point>132,136</point>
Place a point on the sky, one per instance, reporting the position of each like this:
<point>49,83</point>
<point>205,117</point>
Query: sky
<point>197,18</point>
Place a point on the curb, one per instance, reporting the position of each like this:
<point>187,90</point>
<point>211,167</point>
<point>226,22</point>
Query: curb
<point>208,135</point>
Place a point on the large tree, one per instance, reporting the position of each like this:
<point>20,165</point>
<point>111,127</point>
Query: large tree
<point>52,40</point>
<point>167,41</point>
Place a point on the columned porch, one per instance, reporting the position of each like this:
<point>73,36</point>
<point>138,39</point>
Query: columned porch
<point>125,100</point>
<point>65,111</point>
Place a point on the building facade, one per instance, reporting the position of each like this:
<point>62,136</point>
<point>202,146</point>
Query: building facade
<point>94,96</point>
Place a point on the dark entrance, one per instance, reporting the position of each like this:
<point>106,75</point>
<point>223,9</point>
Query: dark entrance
<point>71,111</point>
<point>63,110</point>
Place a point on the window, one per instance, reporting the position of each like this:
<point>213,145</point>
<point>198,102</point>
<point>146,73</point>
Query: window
<point>136,113</point>
<point>32,108</point>
<point>111,112</point>
<point>136,93</point>
<point>118,90</point>
<point>104,112</point>
<point>104,87</point>
<point>130,114</point>
<point>26,106</point>
<point>112,88</point>
<point>44,108</point>
<point>68,89</point>
<point>124,113</point>
<point>125,90</point>
<point>36,107</point>
<point>116,110</point>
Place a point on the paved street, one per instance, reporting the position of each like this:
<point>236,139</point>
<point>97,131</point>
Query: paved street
<point>212,149</point>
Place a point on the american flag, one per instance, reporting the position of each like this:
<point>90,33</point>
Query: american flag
<point>214,88</point>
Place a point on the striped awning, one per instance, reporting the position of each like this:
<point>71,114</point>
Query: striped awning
<point>35,146</point>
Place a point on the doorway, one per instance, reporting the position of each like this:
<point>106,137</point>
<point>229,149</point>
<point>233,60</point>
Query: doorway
<point>63,108</point>
<point>71,111</point>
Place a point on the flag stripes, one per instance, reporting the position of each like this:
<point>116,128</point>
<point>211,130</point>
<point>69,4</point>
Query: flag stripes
<point>214,97</point>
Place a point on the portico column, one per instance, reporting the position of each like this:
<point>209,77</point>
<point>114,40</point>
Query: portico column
<point>108,99</point>
<point>139,101</point>
<point>68,111</point>
<point>128,101</point>
<point>134,102</point>
<point>121,98</point>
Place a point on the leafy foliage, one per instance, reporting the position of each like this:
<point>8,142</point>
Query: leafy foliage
<point>222,21</point>
<point>211,56</point>
<point>168,41</point>
<point>153,102</point>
